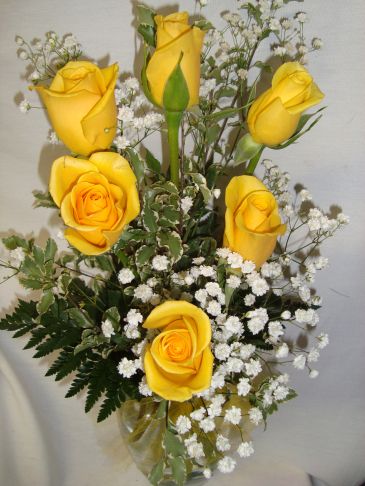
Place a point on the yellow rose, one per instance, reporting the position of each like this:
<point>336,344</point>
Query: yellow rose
<point>81,106</point>
<point>97,197</point>
<point>175,36</point>
<point>274,116</point>
<point>252,219</point>
<point>178,362</point>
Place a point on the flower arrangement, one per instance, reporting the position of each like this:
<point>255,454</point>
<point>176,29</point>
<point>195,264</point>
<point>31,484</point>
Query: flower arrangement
<point>177,317</point>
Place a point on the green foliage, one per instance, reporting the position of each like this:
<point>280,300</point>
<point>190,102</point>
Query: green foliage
<point>13,242</point>
<point>157,473</point>
<point>146,26</point>
<point>43,200</point>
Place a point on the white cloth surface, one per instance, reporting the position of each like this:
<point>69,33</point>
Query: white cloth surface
<point>46,440</point>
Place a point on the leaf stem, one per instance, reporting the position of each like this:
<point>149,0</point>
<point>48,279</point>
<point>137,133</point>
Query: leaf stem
<point>173,120</point>
<point>253,162</point>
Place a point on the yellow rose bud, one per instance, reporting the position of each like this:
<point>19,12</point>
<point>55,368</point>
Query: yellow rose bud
<point>97,197</point>
<point>81,106</point>
<point>175,37</point>
<point>178,362</point>
<point>252,219</point>
<point>274,116</point>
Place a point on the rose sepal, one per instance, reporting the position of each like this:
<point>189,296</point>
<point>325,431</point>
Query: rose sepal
<point>246,149</point>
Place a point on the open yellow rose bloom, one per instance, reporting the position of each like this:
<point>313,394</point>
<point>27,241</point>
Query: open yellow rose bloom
<point>97,197</point>
<point>179,362</point>
<point>175,36</point>
<point>252,219</point>
<point>81,106</point>
<point>274,116</point>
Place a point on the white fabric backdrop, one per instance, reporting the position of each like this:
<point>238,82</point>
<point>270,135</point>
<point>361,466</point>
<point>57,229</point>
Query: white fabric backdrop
<point>46,440</point>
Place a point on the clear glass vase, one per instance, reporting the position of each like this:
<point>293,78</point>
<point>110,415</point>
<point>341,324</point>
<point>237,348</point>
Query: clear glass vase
<point>143,427</point>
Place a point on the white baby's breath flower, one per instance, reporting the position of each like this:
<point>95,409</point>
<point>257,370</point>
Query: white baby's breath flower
<point>233,325</point>
<point>127,367</point>
<point>233,281</point>
<point>233,415</point>
<point>213,289</point>
<point>143,292</point>
<point>245,449</point>
<point>125,276</point>
<point>343,218</point>
<point>24,106</point>
<point>249,300</point>
<point>17,256</point>
<point>132,332</point>
<point>235,260</point>
<point>313,355</point>
<point>255,415</point>
<point>222,443</point>
<point>34,76</point>
<point>207,473</point>
<point>282,351</point>
<point>53,138</point>
<point>234,365</point>
<point>274,24</point>
<point>23,55</point>
<point>193,447</point>
<point>286,23</point>
<point>243,387</point>
<point>134,317</point>
<point>107,328</point>
<point>223,252</point>
<point>121,142</point>
<point>257,320</point>
<point>70,42</point>
<point>198,414</point>
<point>152,121</point>
<point>242,73</point>
<point>301,17</point>
<point>226,465</point>
<point>253,368</point>
<point>125,115</point>
<point>299,362</point>
<point>131,84</point>
<point>214,308</point>
<point>207,424</point>
<point>207,271</point>
<point>160,263</point>
<point>201,296</point>
<point>308,316</point>
<point>144,389</point>
<point>323,340</point>
<point>279,51</point>
<point>281,392</point>
<point>258,285</point>
<point>183,424</point>
<point>222,351</point>
<point>246,351</point>
<point>275,330</point>
<point>313,374</point>
<point>286,315</point>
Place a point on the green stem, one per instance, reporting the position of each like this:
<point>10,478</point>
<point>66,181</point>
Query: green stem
<point>173,120</point>
<point>253,162</point>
